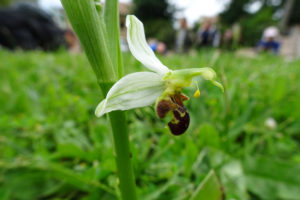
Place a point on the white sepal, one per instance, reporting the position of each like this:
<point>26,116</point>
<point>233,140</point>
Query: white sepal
<point>135,90</point>
<point>139,47</point>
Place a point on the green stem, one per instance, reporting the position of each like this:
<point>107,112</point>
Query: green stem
<point>99,35</point>
<point>111,18</point>
<point>125,172</point>
<point>123,155</point>
<point>84,18</point>
<point>117,119</point>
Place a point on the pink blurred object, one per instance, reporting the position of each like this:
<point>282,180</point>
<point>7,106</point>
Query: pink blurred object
<point>271,32</point>
<point>161,48</point>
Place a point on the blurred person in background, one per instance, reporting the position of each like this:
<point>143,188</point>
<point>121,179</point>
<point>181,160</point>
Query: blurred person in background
<point>72,41</point>
<point>25,26</point>
<point>183,39</point>
<point>228,39</point>
<point>208,35</point>
<point>157,46</point>
<point>232,37</point>
<point>269,41</point>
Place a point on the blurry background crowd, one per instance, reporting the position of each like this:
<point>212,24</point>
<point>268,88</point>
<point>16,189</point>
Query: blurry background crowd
<point>262,25</point>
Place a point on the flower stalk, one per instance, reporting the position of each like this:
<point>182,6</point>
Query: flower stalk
<point>98,33</point>
<point>86,23</point>
<point>111,18</point>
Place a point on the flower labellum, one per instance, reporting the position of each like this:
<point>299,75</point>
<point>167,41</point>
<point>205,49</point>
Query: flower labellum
<point>162,86</point>
<point>180,117</point>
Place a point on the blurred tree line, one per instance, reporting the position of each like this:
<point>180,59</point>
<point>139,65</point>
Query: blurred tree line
<point>254,20</point>
<point>9,2</point>
<point>252,15</point>
<point>5,2</point>
<point>157,17</point>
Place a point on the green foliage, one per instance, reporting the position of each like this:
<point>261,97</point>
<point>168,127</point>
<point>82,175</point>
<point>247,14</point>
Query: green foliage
<point>210,188</point>
<point>149,10</point>
<point>53,147</point>
<point>234,11</point>
<point>209,136</point>
<point>252,24</point>
<point>272,179</point>
<point>5,2</point>
<point>295,17</point>
<point>157,18</point>
<point>11,2</point>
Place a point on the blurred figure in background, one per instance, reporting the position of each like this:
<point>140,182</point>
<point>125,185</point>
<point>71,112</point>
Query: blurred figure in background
<point>269,41</point>
<point>232,37</point>
<point>157,46</point>
<point>228,39</point>
<point>183,39</point>
<point>208,35</point>
<point>27,27</point>
<point>72,41</point>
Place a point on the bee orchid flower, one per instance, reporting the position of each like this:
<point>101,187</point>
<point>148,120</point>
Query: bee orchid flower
<point>162,86</point>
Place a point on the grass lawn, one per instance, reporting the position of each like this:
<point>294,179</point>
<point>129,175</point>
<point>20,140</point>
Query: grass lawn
<point>53,147</point>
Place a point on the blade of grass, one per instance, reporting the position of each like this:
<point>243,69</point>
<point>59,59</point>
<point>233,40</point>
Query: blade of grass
<point>210,188</point>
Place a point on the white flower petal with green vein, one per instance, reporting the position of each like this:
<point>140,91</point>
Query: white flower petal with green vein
<point>139,47</point>
<point>132,91</point>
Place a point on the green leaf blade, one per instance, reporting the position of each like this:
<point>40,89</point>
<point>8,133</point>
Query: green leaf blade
<point>272,179</point>
<point>209,189</point>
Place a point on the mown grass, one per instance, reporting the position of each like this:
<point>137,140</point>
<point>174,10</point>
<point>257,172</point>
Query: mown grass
<point>53,147</point>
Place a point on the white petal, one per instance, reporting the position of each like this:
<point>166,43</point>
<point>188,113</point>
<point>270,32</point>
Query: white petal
<point>132,91</point>
<point>139,47</point>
